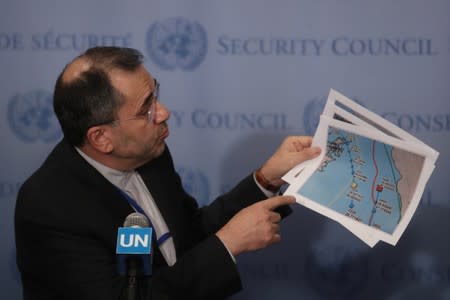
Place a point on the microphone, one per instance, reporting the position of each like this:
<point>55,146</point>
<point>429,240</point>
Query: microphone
<point>133,248</point>
<point>136,220</point>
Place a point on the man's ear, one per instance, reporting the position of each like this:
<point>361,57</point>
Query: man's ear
<point>98,138</point>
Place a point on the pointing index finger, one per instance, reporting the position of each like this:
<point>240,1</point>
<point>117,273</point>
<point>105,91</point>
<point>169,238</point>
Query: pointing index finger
<point>273,203</point>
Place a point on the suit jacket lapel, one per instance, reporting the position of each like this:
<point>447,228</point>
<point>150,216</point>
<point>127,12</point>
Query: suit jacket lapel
<point>106,193</point>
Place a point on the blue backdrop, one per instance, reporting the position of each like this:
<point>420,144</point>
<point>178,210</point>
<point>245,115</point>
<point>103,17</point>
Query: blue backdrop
<point>238,77</point>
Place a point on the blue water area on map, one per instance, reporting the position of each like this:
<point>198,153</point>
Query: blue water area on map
<point>358,178</point>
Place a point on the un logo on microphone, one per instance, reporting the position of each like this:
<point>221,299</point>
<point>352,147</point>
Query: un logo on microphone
<point>31,117</point>
<point>195,183</point>
<point>177,43</point>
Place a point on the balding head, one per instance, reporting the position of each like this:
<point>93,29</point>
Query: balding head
<point>77,67</point>
<point>84,95</point>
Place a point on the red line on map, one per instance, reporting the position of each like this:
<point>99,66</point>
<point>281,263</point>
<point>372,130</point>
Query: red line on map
<point>376,172</point>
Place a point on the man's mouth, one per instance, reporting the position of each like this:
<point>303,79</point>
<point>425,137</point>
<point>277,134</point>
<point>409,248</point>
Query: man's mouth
<point>164,132</point>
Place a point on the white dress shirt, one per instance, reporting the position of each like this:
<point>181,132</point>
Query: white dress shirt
<point>132,184</point>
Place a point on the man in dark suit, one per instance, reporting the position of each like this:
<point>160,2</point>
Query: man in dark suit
<point>113,161</point>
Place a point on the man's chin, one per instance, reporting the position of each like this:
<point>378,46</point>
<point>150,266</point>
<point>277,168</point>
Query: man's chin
<point>158,152</point>
<point>163,147</point>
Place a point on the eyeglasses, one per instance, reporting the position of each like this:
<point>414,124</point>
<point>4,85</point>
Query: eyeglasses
<point>150,115</point>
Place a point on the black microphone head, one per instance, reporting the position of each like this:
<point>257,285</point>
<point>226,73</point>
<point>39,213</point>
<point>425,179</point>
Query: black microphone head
<point>136,220</point>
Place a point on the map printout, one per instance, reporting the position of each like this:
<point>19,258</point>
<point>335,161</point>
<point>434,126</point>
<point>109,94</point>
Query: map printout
<point>370,175</point>
<point>367,180</point>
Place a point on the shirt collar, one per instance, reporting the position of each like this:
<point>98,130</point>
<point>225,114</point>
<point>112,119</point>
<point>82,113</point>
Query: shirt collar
<point>116,177</point>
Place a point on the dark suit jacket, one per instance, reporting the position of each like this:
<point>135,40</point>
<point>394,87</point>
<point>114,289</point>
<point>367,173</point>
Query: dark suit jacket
<point>66,221</point>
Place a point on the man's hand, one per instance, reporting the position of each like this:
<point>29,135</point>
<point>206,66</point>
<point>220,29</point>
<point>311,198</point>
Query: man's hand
<point>292,151</point>
<point>254,227</point>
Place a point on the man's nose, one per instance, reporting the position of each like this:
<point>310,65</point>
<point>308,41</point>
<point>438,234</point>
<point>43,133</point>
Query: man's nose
<point>162,113</point>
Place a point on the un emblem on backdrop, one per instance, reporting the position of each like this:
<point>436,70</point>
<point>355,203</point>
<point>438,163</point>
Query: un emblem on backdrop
<point>195,183</point>
<point>311,114</point>
<point>313,110</point>
<point>177,43</point>
<point>31,117</point>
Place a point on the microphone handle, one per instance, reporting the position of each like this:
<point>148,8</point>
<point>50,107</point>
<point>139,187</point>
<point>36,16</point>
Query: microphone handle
<point>131,288</point>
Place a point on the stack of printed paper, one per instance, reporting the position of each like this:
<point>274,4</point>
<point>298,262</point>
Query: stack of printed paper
<point>370,175</point>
